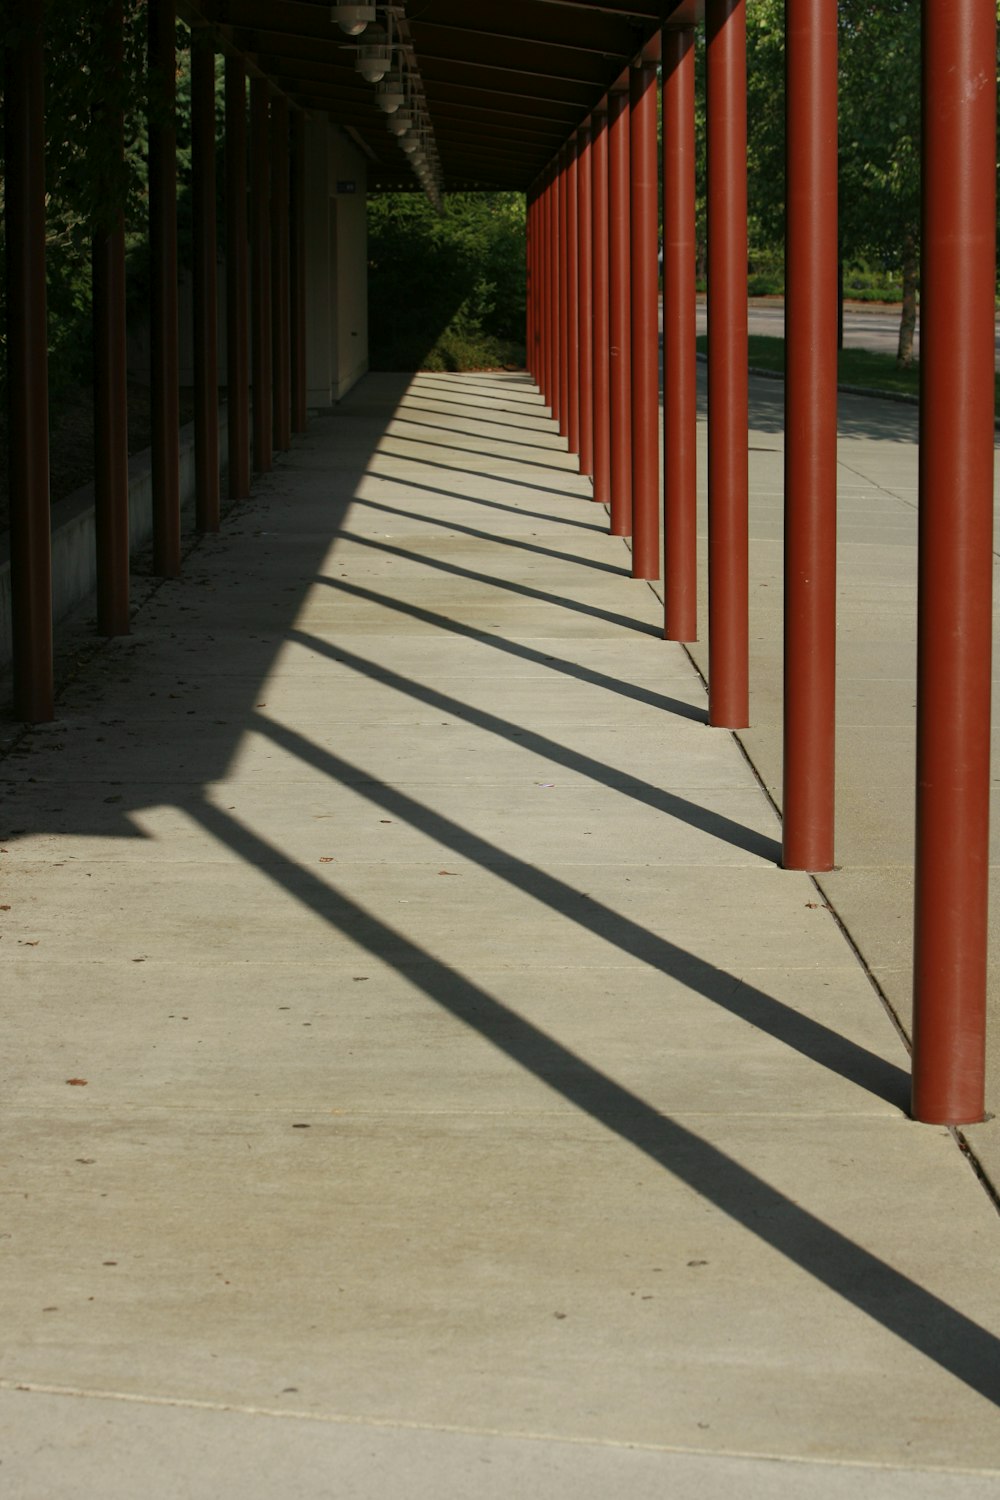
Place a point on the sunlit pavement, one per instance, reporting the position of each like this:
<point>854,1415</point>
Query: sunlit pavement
<point>421,1077</point>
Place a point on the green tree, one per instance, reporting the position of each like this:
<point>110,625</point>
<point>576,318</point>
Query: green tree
<point>879,143</point>
<point>85,182</point>
<point>446,291</point>
<point>766,120</point>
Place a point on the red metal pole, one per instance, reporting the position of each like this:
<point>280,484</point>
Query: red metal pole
<point>572,300</point>
<point>585,295</point>
<point>810,433</point>
<point>536,283</point>
<point>538,279</point>
<point>260,278</point>
<point>620,312</point>
<point>552,291</point>
<point>680,394</point>
<point>205,282</point>
<point>529,290</point>
<point>543,358</point>
<point>543,232</point>
<point>237,298</point>
<point>601,318</point>
<point>728,420</point>
<point>298,273</point>
<point>531,262</point>
<point>111,518</point>
<point>27,369</point>
<point>280,301</point>
<point>164,358</point>
<point>645,330</point>
<point>561,410</point>
<point>958,246</point>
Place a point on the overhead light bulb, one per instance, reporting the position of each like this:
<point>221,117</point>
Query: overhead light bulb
<point>401,121</point>
<point>352,19</point>
<point>374,57</point>
<point>390,93</point>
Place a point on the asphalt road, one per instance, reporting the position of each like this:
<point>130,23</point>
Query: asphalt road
<point>866,325</point>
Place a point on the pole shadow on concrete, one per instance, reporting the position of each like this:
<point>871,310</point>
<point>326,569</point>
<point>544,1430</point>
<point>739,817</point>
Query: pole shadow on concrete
<point>916,1316</point>
<point>191,753</point>
<point>517,543</point>
<point>627,622</point>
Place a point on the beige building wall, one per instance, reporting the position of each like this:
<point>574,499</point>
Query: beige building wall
<point>336,264</point>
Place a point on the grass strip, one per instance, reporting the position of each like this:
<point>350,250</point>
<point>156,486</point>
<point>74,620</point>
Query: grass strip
<point>855,367</point>
<point>861,367</point>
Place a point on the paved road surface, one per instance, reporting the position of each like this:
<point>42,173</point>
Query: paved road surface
<point>866,326</point>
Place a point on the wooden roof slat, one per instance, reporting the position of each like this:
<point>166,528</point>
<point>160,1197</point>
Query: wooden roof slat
<point>505,81</point>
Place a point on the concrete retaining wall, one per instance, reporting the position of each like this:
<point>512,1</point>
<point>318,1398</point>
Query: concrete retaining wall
<point>74,552</point>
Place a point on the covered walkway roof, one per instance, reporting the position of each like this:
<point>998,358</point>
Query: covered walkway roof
<point>505,81</point>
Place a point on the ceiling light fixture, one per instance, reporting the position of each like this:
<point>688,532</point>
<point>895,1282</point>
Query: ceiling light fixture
<point>352,19</point>
<point>390,93</point>
<point>374,57</point>
<point>401,121</point>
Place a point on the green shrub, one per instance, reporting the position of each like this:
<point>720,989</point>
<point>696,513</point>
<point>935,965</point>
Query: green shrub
<point>446,291</point>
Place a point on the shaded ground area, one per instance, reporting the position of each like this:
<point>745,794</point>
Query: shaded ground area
<point>71,447</point>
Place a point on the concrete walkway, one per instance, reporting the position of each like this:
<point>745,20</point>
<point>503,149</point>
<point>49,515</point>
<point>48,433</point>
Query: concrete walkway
<point>421,1079</point>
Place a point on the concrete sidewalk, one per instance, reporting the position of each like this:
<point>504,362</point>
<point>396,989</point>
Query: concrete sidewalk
<point>422,1079</point>
<point>872,886</point>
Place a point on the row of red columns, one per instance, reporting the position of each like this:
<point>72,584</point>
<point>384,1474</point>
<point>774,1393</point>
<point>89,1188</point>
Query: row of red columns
<point>592,319</point>
<point>276,213</point>
<point>593,330</point>
<point>592,327</point>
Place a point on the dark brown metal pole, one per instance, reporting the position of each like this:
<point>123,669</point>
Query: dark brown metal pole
<point>205,282</point>
<point>111,515</point>
<point>585,295</point>
<point>620,312</point>
<point>645,325</point>
<point>260,275</point>
<point>280,301</point>
<point>164,392</point>
<point>680,394</point>
<point>27,370</point>
<point>958,269</point>
<point>601,317</point>
<point>728,420</point>
<point>297,272</point>
<point>810,434</point>
<point>237,277</point>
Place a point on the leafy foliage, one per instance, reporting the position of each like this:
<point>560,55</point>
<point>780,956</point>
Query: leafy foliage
<point>879,136</point>
<point>446,291</point>
<point>879,127</point>
<point>89,181</point>
<point>879,142</point>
